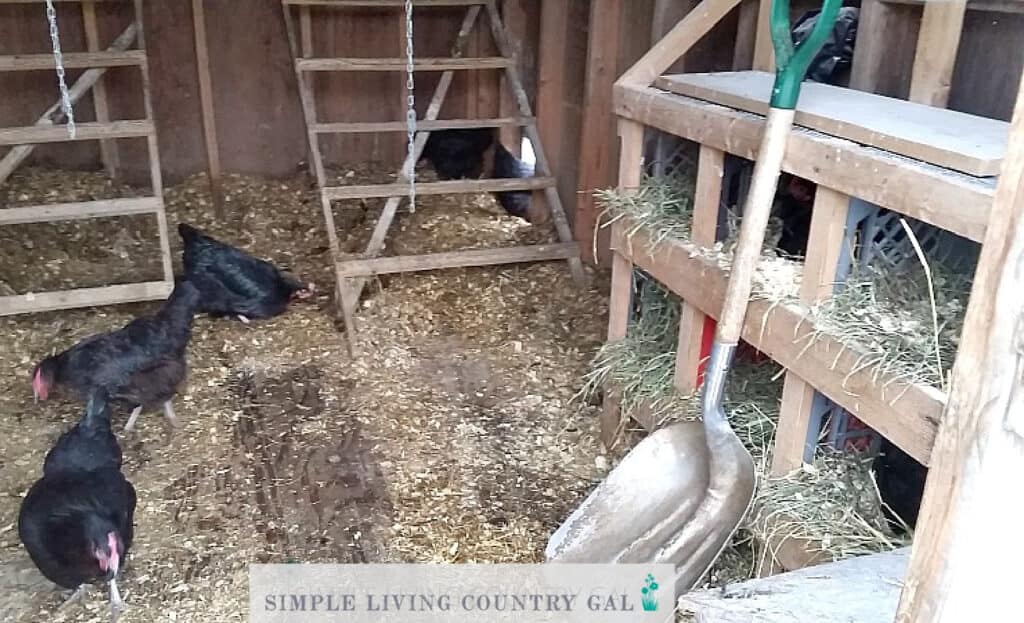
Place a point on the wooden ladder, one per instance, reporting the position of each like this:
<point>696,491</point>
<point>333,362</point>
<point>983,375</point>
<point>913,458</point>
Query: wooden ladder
<point>352,274</point>
<point>23,139</point>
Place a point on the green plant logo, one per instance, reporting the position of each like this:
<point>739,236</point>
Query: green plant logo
<point>649,599</point>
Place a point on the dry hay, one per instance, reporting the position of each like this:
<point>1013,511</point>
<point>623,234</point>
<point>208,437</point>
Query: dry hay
<point>450,439</point>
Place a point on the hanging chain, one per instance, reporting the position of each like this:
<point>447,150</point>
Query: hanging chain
<point>65,98</point>
<point>410,113</point>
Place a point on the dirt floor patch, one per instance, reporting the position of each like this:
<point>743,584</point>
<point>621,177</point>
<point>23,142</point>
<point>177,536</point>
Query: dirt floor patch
<point>452,437</point>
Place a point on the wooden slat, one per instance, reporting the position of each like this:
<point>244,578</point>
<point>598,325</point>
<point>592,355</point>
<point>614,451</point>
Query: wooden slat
<point>907,414</point>
<point>353,127</point>
<point>84,297</point>
<point>967,143</point>
<point>992,6</point>
<point>64,1</point>
<point>85,132</point>
<point>457,259</point>
<point>935,57</point>
<point>108,148</point>
<point>206,102</point>
<point>949,200</point>
<point>71,60</point>
<point>79,210</point>
<point>382,3</point>
<point>362,191</point>
<point>399,64</point>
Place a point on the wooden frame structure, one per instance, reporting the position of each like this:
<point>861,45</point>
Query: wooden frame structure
<point>23,139</point>
<point>352,274</point>
<point>906,413</point>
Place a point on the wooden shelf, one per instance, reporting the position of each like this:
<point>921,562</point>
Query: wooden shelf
<point>79,210</point>
<point>424,125</point>
<point>457,259</point>
<point>945,198</point>
<point>907,414</point>
<point>946,138</point>
<point>400,64</point>
<point>72,60</point>
<point>83,297</point>
<point>367,191</point>
<point>85,132</point>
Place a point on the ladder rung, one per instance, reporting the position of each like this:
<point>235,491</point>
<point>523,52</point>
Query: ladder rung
<point>72,60</point>
<point>83,297</point>
<point>382,3</point>
<point>34,134</point>
<point>368,191</point>
<point>422,125</point>
<point>457,259</point>
<point>399,64</point>
<point>79,210</point>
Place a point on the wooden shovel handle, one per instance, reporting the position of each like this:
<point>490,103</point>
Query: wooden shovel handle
<point>756,212</point>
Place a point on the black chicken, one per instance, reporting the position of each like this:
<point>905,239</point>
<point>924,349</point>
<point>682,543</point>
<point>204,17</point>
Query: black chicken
<point>233,282</point>
<point>140,365</point>
<point>900,481</point>
<point>458,154</point>
<point>76,522</point>
<point>506,165</point>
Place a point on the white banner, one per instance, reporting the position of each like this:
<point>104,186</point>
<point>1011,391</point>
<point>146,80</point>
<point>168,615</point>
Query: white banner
<point>425,593</point>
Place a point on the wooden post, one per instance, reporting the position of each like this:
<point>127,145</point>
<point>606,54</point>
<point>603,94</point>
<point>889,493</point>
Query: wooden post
<point>108,148</point>
<point>515,16</point>
<point>554,22</point>
<point>764,53</point>
<point>970,500</point>
<point>706,200</point>
<point>935,58</point>
<point>631,135</point>
<point>746,36</point>
<point>824,245</point>
<point>206,101</point>
<point>597,157</point>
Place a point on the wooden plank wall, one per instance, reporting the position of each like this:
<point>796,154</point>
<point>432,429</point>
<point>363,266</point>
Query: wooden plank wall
<point>258,115</point>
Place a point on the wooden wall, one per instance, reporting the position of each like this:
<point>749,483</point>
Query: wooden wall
<point>257,108</point>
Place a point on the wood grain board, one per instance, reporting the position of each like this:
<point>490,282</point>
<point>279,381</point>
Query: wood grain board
<point>946,138</point>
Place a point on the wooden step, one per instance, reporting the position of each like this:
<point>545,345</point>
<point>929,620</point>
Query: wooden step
<point>424,125</point>
<point>382,3</point>
<point>865,589</point>
<point>79,210</point>
<point>453,187</point>
<point>84,297</point>
<point>457,259</point>
<point>31,135</point>
<point>399,64</point>
<point>72,60</point>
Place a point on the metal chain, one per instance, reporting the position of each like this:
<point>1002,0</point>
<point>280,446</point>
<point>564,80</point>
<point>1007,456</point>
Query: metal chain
<point>410,114</point>
<point>65,98</point>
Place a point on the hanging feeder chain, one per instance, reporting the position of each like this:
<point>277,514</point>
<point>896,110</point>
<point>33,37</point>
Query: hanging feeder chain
<point>65,98</point>
<point>410,113</point>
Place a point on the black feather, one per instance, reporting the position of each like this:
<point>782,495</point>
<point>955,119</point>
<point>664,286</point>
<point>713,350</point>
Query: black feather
<point>900,481</point>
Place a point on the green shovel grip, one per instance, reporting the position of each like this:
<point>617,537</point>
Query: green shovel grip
<point>792,64</point>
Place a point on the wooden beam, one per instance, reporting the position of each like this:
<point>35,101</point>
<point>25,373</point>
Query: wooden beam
<point>677,42</point>
<point>16,155</point>
<point>905,413</point>
<point>84,297</point>
<point>551,72</point>
<point>457,259</point>
<point>364,191</point>
<point>764,53</point>
<point>206,102</point>
<point>935,58</point>
<point>101,106</point>
<point>85,132</point>
<point>399,64</point>
<point>72,60</point>
<point>969,499</point>
<point>79,210</point>
<point>706,202</point>
<point>597,158</point>
<point>352,127</point>
<point>793,439</point>
<point>515,14</point>
<point>746,35</point>
<point>949,200</point>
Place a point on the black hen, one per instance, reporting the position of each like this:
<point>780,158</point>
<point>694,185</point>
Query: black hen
<point>76,522</point>
<point>458,154</point>
<point>140,365</point>
<point>506,165</point>
<point>900,481</point>
<point>233,282</point>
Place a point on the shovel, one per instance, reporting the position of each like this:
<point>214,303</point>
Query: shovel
<point>680,494</point>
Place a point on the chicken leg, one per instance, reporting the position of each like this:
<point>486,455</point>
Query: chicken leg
<point>131,419</point>
<point>243,319</point>
<point>169,413</point>
<point>76,596</point>
<point>116,603</point>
